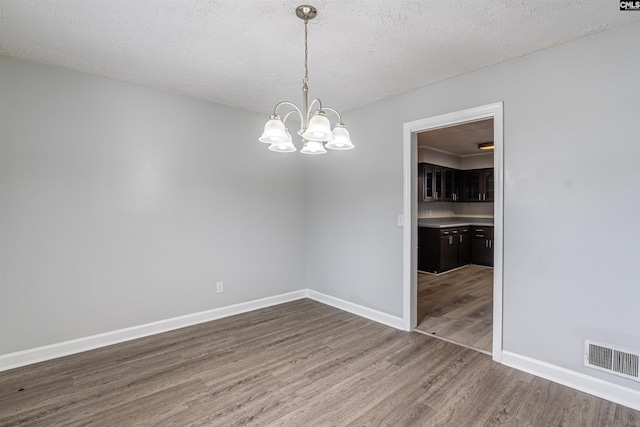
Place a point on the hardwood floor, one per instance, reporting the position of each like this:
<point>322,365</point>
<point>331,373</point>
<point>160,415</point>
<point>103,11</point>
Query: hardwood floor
<point>458,306</point>
<point>297,364</point>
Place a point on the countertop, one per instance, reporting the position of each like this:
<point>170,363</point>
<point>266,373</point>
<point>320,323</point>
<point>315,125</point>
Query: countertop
<point>454,221</point>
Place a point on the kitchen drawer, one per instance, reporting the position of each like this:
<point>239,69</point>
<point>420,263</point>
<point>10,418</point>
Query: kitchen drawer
<point>448,231</point>
<point>482,232</point>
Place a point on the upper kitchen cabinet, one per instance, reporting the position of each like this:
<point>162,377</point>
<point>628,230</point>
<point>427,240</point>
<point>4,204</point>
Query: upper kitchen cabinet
<point>438,183</point>
<point>433,179</point>
<point>486,179</point>
<point>452,185</point>
<point>478,185</point>
<point>421,194</point>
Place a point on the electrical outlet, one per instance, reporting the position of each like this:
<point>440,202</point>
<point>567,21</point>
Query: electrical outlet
<point>219,287</point>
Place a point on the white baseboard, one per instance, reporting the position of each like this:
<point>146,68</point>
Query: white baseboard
<point>595,386</point>
<point>47,352</point>
<point>358,310</point>
<point>613,392</point>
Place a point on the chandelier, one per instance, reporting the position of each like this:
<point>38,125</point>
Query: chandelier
<point>315,128</point>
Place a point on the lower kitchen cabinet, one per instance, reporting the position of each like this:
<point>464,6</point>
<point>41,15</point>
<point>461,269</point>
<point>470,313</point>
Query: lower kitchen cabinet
<point>448,250</point>
<point>464,246</point>
<point>443,249</point>
<point>482,246</point>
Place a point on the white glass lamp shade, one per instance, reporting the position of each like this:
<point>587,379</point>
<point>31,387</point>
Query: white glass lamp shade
<point>341,140</point>
<point>274,132</point>
<point>283,147</point>
<point>312,147</point>
<point>319,128</point>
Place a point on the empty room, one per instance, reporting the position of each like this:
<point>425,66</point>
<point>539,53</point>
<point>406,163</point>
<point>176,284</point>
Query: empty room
<point>264,213</point>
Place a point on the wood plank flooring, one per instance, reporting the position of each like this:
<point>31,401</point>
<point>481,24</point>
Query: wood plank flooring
<point>458,306</point>
<point>297,364</point>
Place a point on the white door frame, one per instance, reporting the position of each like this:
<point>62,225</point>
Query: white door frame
<point>410,210</point>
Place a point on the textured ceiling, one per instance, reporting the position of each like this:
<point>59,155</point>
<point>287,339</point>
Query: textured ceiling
<point>460,140</point>
<point>249,53</point>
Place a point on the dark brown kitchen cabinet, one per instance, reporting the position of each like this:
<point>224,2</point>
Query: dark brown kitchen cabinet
<point>448,250</point>
<point>421,189</point>
<point>482,245</point>
<point>486,184</point>
<point>477,185</point>
<point>439,183</point>
<point>433,178</point>
<point>423,244</point>
<point>443,249</point>
<point>451,185</point>
<point>464,246</point>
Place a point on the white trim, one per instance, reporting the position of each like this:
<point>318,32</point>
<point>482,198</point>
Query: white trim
<point>52,351</point>
<point>410,130</point>
<point>597,387</point>
<point>358,310</point>
<point>579,381</point>
<point>410,231</point>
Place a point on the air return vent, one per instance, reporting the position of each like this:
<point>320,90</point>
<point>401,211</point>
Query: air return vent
<point>612,359</point>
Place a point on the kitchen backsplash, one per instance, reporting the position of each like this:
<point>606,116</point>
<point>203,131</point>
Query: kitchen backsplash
<point>447,209</point>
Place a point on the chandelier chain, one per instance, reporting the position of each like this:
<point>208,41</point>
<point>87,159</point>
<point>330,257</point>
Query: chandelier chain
<point>306,51</point>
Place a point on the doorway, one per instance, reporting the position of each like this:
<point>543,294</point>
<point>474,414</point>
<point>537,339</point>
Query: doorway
<point>410,240</point>
<point>455,223</point>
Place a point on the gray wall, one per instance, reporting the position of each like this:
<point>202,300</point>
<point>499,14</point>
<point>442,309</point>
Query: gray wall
<point>571,197</point>
<point>121,205</point>
<point>428,155</point>
<point>477,161</point>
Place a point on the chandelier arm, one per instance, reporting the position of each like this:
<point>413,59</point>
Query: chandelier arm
<point>289,103</point>
<point>333,111</point>
<point>296,109</point>
<point>286,116</point>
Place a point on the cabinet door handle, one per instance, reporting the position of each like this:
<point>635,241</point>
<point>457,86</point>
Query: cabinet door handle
<point>461,238</point>
<point>451,240</point>
<point>479,196</point>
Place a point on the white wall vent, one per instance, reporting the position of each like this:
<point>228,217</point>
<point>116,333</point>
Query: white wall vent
<point>612,359</point>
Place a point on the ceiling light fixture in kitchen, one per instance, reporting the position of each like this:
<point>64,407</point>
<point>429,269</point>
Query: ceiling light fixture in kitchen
<point>485,146</point>
<point>315,131</point>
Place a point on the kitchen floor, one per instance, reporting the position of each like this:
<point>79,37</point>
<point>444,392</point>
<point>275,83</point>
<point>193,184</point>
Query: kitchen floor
<point>458,306</point>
